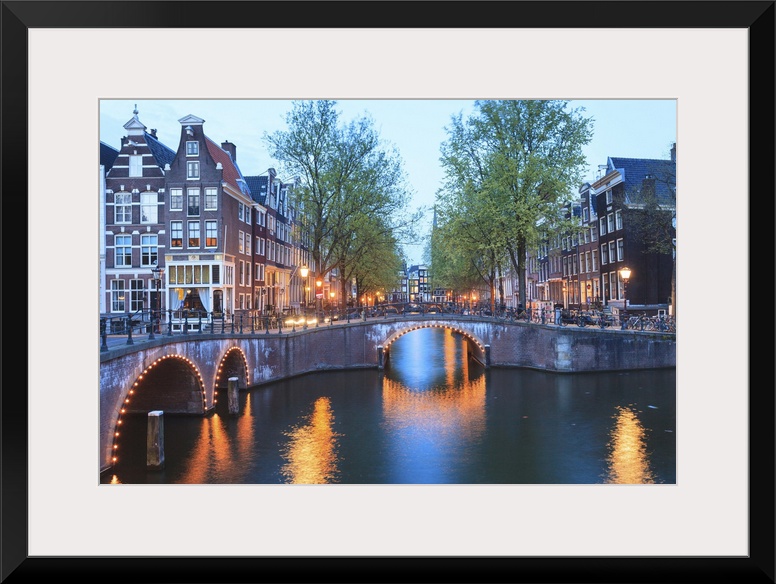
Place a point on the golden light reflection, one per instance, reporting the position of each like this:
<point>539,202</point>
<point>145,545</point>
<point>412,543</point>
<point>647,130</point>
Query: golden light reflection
<point>311,453</point>
<point>628,458</point>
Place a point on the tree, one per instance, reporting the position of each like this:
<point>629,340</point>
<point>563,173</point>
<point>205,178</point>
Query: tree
<point>345,174</point>
<point>519,161</point>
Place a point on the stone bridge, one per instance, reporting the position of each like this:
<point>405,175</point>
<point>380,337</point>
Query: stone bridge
<point>184,374</point>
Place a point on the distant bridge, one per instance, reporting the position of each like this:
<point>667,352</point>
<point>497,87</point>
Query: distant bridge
<point>184,373</point>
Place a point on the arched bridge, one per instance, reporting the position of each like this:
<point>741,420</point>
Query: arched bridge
<point>185,373</point>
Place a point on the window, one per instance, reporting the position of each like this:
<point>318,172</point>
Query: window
<point>247,244</point>
<point>192,148</point>
<point>193,233</point>
<point>123,245</point>
<point>211,234</point>
<point>594,257</point>
<point>613,285</point>
<point>117,297</point>
<point>604,255</point>
<point>620,250</point>
<point>176,233</point>
<point>241,242</point>
<point>149,208</point>
<point>618,218</point>
<point>176,199</point>
<point>261,218</point>
<point>193,204</point>
<point>587,236</point>
<point>247,273</point>
<point>585,216</point>
<point>611,252</point>
<point>123,208</point>
<point>609,197</point>
<point>593,232</point>
<point>211,199</point>
<point>192,169</point>
<point>149,250</point>
<point>603,225</point>
<point>240,213</point>
<point>135,165</point>
<point>610,222</point>
<point>136,295</point>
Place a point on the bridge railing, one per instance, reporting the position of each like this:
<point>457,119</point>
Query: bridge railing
<point>122,329</point>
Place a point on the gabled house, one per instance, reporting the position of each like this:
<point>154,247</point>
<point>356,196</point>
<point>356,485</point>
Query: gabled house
<point>134,232</point>
<point>619,191</point>
<point>209,209</point>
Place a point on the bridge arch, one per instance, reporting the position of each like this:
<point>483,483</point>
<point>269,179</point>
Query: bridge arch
<point>480,347</point>
<point>234,363</point>
<point>144,394</point>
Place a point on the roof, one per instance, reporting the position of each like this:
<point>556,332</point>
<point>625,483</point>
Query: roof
<point>108,155</point>
<point>162,154</point>
<point>258,187</point>
<point>635,170</point>
<point>232,174</point>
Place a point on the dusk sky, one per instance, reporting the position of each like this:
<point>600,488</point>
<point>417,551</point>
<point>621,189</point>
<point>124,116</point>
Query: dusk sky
<point>622,128</point>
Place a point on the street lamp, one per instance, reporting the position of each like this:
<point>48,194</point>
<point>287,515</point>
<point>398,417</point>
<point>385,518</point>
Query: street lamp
<point>158,273</point>
<point>625,274</point>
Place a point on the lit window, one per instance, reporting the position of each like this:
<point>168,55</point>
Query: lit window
<point>193,233</point>
<point>176,233</point>
<point>211,234</point>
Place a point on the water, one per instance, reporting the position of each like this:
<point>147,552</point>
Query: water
<point>432,417</point>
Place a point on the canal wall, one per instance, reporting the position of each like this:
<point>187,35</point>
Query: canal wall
<point>184,374</point>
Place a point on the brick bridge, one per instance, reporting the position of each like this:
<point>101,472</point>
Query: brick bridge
<point>184,373</point>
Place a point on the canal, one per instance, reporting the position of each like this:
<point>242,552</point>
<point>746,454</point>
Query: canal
<point>431,417</point>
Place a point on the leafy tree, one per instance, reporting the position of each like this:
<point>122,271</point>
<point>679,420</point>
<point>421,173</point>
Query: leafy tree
<point>345,174</point>
<point>518,162</point>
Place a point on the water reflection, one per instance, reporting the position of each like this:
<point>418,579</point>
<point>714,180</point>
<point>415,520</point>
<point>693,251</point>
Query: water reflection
<point>628,459</point>
<point>433,407</point>
<point>311,452</point>
<point>431,417</point>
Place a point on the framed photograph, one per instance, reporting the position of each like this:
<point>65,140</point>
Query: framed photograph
<point>715,58</point>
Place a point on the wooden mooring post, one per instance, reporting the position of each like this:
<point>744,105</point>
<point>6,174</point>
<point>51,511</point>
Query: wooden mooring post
<point>234,396</point>
<point>155,440</point>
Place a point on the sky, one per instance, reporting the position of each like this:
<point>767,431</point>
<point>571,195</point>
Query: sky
<point>627,128</point>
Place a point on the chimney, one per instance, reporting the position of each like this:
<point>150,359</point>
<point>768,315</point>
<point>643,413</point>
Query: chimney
<point>153,132</point>
<point>673,153</point>
<point>231,149</point>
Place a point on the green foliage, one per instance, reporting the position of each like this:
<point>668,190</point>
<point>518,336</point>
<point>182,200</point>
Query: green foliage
<point>346,176</point>
<point>510,169</point>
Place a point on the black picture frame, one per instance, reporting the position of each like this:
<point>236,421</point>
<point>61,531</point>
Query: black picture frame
<point>756,16</point>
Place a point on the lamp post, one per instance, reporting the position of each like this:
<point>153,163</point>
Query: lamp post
<point>331,305</point>
<point>305,271</point>
<point>158,273</point>
<point>625,274</point>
